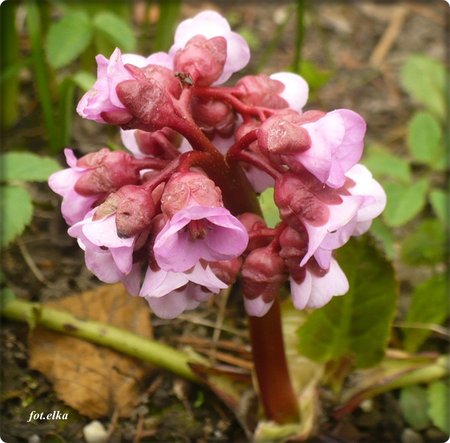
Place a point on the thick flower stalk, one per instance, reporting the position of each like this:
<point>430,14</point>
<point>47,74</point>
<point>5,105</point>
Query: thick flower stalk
<point>176,218</point>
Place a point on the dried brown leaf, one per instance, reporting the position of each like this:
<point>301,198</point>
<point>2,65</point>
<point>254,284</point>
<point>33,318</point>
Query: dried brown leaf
<point>93,379</point>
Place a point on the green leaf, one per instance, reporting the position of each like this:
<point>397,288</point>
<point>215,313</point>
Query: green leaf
<point>169,14</point>
<point>440,204</point>
<point>117,30</point>
<point>413,402</point>
<point>404,202</point>
<point>68,38</point>
<point>84,80</point>
<point>314,76</point>
<point>17,211</point>
<point>429,305</point>
<point>424,136</point>
<point>439,404</point>
<point>425,245</point>
<point>27,166</point>
<point>425,79</point>
<point>357,324</point>
<point>382,163</point>
<point>384,235</point>
<point>268,207</point>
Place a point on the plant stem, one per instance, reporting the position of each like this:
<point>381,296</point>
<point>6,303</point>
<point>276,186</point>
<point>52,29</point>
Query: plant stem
<point>115,338</point>
<point>279,400</point>
<point>9,57</point>
<point>42,77</point>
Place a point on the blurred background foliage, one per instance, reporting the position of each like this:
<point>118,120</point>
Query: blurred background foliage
<point>48,61</point>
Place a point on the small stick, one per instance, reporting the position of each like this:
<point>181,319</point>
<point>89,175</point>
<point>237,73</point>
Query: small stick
<point>388,38</point>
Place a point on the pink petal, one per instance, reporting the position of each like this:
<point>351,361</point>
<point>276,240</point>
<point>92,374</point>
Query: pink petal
<point>159,283</point>
<point>123,258</point>
<point>102,265</point>
<point>104,233</point>
<point>366,185</point>
<point>170,305</point>
<point>75,207</point>
<point>257,307</point>
<point>295,91</point>
<point>339,216</point>
<point>301,292</point>
<point>205,277</point>
<point>333,283</point>
<point>64,181</point>
<point>128,138</point>
<point>132,281</point>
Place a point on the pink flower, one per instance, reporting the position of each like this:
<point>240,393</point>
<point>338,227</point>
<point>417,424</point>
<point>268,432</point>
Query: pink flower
<point>318,286</point>
<point>102,97</point>
<point>210,24</point>
<point>263,273</point>
<point>97,237</point>
<point>372,205</point>
<point>171,293</point>
<point>337,141</point>
<point>74,205</point>
<point>199,232</point>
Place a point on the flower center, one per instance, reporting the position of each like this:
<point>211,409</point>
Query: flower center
<point>198,229</point>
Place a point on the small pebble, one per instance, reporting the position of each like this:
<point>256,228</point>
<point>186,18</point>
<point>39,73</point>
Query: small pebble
<point>34,439</point>
<point>95,432</point>
<point>411,436</point>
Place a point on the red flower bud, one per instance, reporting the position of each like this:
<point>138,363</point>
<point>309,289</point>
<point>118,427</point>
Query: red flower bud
<point>111,171</point>
<point>227,270</point>
<point>213,116</point>
<point>135,210</point>
<point>153,143</point>
<point>261,90</point>
<point>279,136</point>
<point>160,74</point>
<point>303,197</point>
<point>203,60</point>
<point>263,273</point>
<point>148,102</point>
<point>183,187</point>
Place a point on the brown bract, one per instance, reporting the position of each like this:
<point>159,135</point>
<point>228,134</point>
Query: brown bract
<point>92,379</point>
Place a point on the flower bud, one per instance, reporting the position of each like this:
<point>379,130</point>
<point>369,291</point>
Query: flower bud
<point>111,171</point>
<point>262,274</point>
<point>294,245</point>
<point>213,116</point>
<point>261,90</point>
<point>134,211</point>
<point>227,270</point>
<point>279,136</point>
<point>203,60</point>
<point>184,189</point>
<point>254,223</point>
<point>148,102</point>
<point>160,74</point>
<point>153,143</point>
<point>302,197</point>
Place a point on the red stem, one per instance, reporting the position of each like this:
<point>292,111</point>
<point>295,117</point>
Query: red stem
<point>278,398</point>
<point>259,162</point>
<point>238,105</point>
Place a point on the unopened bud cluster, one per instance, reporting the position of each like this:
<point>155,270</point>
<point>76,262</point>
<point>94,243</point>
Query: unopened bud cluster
<point>159,218</point>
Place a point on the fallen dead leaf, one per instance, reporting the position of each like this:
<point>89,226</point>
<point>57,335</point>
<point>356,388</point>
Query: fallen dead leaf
<point>93,379</point>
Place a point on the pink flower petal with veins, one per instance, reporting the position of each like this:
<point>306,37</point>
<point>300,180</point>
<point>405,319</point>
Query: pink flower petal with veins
<point>226,238</point>
<point>315,291</point>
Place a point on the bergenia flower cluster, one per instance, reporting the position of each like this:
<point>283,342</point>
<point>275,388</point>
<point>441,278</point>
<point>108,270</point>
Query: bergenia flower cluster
<point>171,218</point>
